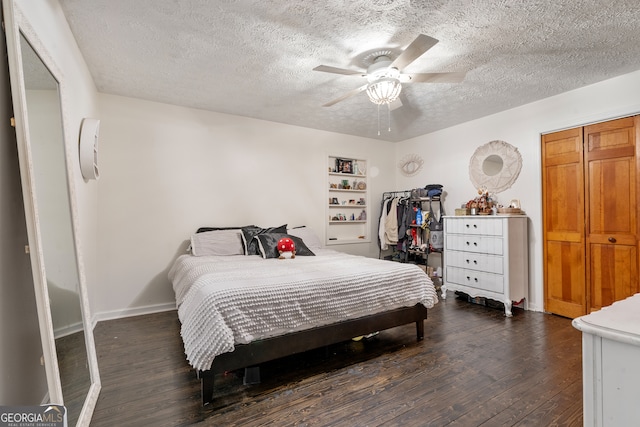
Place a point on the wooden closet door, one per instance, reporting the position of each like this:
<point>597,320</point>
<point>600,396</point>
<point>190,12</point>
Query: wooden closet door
<point>611,198</point>
<point>563,223</point>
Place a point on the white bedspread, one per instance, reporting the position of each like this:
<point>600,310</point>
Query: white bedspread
<point>227,300</point>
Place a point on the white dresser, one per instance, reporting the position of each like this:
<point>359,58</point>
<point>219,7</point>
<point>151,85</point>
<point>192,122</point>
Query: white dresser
<point>487,256</point>
<point>611,364</point>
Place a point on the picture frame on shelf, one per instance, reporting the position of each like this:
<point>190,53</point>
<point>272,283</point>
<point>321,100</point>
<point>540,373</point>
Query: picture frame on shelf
<point>344,166</point>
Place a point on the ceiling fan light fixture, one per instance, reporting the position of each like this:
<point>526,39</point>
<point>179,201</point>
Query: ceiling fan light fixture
<point>384,91</point>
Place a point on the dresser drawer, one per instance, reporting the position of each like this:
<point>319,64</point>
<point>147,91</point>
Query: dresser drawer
<point>470,243</point>
<point>476,261</point>
<point>474,226</point>
<point>475,279</point>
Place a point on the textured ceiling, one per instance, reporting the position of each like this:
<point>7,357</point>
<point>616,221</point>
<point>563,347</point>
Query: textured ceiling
<point>255,58</point>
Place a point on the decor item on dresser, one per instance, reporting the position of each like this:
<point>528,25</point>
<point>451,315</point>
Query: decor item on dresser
<point>239,311</point>
<point>482,204</point>
<point>495,166</point>
<point>487,256</point>
<point>610,368</point>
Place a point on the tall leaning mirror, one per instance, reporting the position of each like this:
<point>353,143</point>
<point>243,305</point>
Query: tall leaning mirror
<point>45,158</point>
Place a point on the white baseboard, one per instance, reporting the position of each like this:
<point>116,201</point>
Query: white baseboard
<point>129,312</point>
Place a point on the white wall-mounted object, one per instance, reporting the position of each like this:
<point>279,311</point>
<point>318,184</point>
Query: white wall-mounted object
<point>89,132</point>
<point>610,369</point>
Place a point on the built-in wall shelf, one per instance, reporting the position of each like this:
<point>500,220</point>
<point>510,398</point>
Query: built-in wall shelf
<point>347,211</point>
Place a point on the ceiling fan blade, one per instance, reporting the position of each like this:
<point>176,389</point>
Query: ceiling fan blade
<point>433,77</point>
<point>336,70</point>
<point>417,47</point>
<point>346,95</point>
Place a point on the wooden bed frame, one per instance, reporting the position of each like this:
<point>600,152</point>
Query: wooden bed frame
<point>248,355</point>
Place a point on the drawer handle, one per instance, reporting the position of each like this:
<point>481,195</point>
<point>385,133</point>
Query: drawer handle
<point>612,239</point>
<point>467,261</point>
<point>475,243</point>
<point>468,243</point>
<point>467,225</point>
<point>475,225</point>
<point>476,279</point>
<point>475,261</point>
<point>468,278</point>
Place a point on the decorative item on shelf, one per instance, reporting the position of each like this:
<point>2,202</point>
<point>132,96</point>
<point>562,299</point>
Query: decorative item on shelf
<point>344,166</point>
<point>356,168</point>
<point>345,184</point>
<point>333,185</point>
<point>362,185</point>
<point>362,201</point>
<point>362,216</point>
<point>352,201</point>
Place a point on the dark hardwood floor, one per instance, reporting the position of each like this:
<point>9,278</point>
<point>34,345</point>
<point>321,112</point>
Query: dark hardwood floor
<point>475,367</point>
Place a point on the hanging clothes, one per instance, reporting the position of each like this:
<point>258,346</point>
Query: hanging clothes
<point>382,224</point>
<point>391,223</point>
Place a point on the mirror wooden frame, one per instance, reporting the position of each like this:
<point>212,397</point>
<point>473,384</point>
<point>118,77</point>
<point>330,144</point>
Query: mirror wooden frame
<point>15,25</point>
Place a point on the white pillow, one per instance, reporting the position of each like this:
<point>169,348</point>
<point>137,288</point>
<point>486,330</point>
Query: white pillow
<point>217,242</point>
<point>308,237</point>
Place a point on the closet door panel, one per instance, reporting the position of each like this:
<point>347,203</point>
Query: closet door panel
<point>613,272</point>
<point>565,279</point>
<point>563,223</point>
<point>611,197</point>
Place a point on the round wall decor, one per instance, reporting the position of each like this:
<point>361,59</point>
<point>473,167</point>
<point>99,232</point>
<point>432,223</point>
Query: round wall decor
<point>495,166</point>
<point>410,164</point>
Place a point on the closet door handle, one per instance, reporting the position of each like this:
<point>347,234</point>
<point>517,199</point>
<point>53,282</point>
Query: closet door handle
<point>475,243</point>
<point>475,225</point>
<point>467,261</point>
<point>612,239</point>
<point>475,261</point>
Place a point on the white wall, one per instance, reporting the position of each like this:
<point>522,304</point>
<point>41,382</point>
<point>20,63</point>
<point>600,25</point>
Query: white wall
<point>447,152</point>
<point>167,170</point>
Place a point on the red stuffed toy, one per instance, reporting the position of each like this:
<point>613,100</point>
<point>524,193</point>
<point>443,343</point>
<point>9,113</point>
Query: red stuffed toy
<point>286,246</point>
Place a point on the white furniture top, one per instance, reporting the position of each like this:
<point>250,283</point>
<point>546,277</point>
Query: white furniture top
<point>619,321</point>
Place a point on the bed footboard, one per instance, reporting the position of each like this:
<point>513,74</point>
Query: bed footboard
<point>258,352</point>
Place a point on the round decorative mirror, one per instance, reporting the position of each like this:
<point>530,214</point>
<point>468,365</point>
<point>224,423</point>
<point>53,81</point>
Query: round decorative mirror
<point>495,166</point>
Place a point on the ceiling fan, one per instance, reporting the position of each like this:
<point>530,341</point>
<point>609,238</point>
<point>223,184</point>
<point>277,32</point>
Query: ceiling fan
<point>384,76</point>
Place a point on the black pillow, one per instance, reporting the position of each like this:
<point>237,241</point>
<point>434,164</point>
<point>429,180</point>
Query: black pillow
<point>205,229</point>
<point>248,233</point>
<point>268,245</point>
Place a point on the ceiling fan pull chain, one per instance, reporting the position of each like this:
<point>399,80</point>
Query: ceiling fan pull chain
<point>389,116</point>
<point>378,119</point>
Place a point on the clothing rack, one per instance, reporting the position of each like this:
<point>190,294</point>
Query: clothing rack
<point>403,193</point>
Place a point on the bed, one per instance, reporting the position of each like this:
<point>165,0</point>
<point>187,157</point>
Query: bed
<point>240,305</point>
